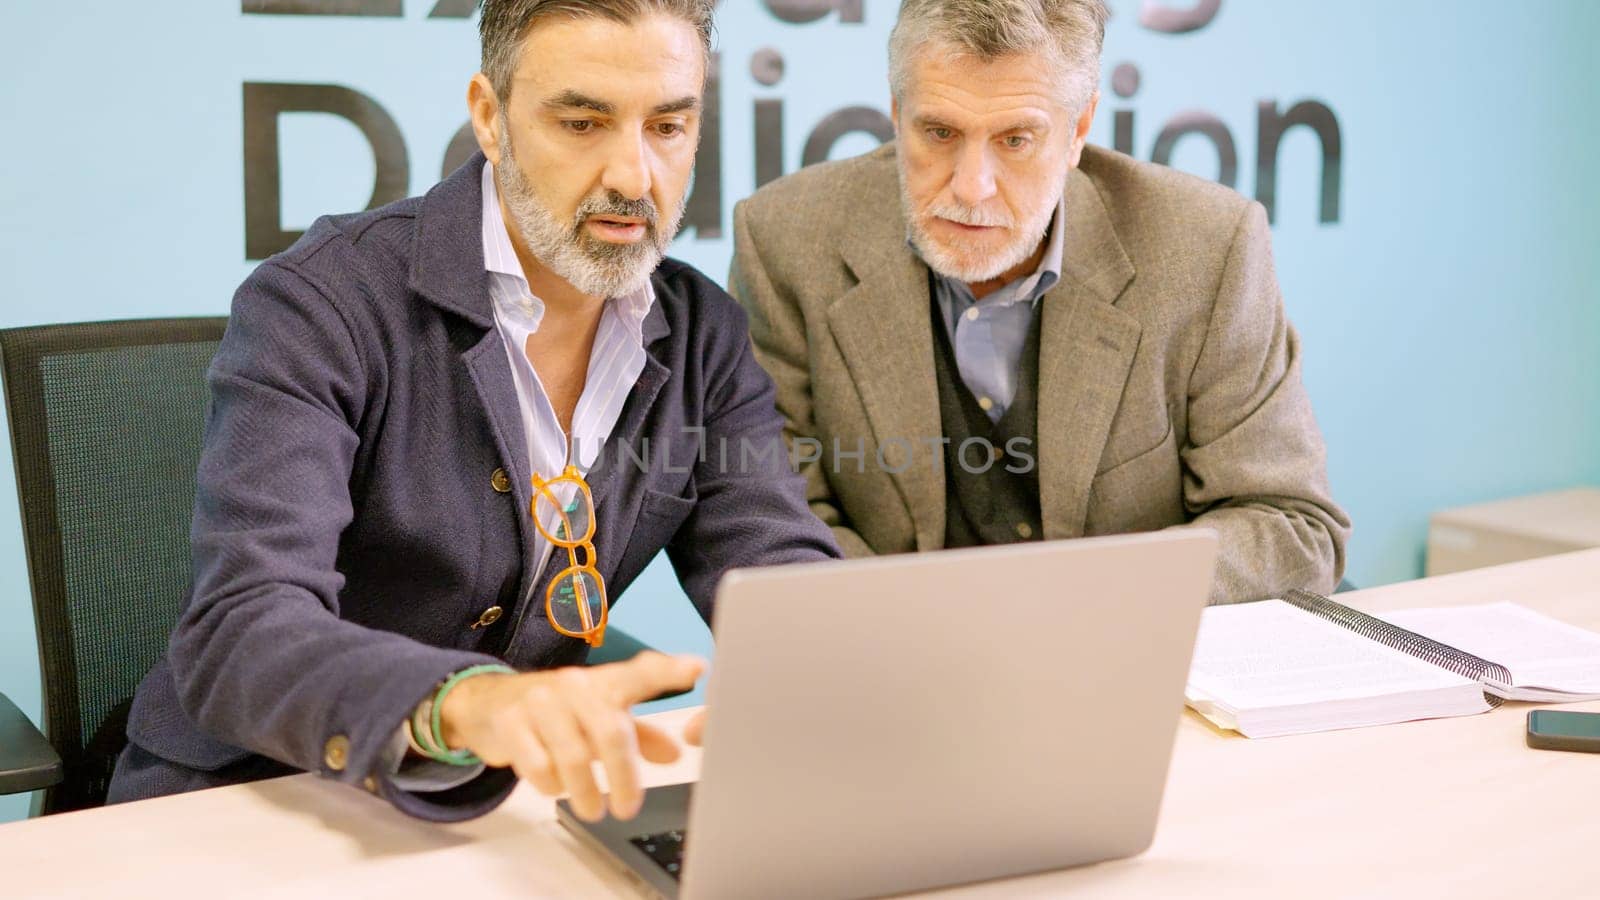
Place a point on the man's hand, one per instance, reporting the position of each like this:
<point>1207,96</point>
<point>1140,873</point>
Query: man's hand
<point>551,727</point>
<point>694,730</point>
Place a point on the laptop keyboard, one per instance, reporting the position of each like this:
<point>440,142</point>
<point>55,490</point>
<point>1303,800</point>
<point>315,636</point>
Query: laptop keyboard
<point>665,848</point>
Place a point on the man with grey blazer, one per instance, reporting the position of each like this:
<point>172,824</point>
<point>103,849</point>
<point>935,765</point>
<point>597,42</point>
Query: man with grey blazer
<point>988,331</point>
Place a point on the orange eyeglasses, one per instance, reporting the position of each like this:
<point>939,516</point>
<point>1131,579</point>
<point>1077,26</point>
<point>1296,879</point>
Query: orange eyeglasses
<point>576,600</point>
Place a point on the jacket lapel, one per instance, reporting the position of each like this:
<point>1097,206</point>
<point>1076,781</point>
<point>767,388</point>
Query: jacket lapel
<point>883,329</point>
<point>448,271</point>
<point>497,393</point>
<point>1086,350</point>
<point>606,478</point>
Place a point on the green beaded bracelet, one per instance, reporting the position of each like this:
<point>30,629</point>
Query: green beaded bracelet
<point>433,744</point>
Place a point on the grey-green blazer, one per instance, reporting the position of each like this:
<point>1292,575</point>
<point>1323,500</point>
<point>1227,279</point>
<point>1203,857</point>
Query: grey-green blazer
<point>1169,376</point>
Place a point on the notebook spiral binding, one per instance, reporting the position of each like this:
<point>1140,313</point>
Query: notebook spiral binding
<point>1442,655</point>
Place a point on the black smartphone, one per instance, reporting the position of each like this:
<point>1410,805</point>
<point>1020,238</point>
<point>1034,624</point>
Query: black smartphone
<point>1552,729</point>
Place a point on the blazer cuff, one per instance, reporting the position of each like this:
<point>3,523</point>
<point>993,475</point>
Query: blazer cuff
<point>477,797</point>
<point>409,772</point>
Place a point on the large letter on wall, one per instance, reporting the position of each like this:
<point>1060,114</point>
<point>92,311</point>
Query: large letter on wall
<point>1271,126</point>
<point>461,148</point>
<point>702,211</point>
<point>1191,122</point>
<point>454,9</point>
<point>263,104</point>
<point>387,8</point>
<point>799,12</point>
<point>864,119</point>
<point>1159,17</point>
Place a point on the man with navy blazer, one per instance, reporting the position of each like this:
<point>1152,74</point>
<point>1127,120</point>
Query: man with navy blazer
<point>385,396</point>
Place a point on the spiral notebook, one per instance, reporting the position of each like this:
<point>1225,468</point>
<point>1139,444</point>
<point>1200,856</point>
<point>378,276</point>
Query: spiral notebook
<point>1306,663</point>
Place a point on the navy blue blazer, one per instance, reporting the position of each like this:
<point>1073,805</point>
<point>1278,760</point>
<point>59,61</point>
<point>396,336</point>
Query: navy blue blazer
<point>349,528</point>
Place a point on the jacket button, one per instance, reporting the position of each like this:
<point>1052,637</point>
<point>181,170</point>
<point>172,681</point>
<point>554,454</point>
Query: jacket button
<point>489,617</point>
<point>336,752</point>
<point>500,481</point>
<point>1024,530</point>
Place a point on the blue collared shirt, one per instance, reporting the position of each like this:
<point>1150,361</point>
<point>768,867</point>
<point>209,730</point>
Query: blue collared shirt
<point>988,335</point>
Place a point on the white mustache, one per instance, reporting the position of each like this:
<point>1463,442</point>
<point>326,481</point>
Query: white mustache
<point>966,215</point>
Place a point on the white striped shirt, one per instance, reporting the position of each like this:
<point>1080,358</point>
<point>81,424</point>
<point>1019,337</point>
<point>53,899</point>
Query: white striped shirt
<point>614,363</point>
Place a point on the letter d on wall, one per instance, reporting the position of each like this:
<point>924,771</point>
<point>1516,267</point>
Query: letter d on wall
<point>263,172</point>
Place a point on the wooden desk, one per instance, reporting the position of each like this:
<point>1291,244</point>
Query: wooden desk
<point>1448,808</point>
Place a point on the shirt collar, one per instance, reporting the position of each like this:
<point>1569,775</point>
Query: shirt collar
<point>1049,271</point>
<point>1032,286</point>
<point>500,258</point>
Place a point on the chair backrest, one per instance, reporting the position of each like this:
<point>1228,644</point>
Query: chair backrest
<point>106,422</point>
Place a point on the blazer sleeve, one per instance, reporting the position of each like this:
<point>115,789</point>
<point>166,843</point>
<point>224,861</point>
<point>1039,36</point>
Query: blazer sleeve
<point>750,507</point>
<point>260,656</point>
<point>1255,468</point>
<point>778,331</point>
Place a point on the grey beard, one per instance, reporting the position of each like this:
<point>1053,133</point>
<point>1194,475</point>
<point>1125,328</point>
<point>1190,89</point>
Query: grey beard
<point>594,267</point>
<point>947,263</point>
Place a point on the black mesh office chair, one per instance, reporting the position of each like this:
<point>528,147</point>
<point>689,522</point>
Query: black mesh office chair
<point>106,422</point>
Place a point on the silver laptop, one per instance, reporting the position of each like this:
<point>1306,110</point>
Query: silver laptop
<point>886,725</point>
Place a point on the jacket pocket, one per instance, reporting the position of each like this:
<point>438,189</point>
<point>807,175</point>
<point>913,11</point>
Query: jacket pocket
<point>662,509</point>
<point>1144,493</point>
<point>660,516</point>
<point>1133,460</point>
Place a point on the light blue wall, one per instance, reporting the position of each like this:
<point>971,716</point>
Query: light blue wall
<point>1449,318</point>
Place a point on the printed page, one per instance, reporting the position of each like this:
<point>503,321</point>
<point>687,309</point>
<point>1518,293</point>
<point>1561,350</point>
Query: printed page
<point>1265,654</point>
<point>1538,651</point>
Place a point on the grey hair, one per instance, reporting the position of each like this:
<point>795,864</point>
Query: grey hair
<point>1069,33</point>
<point>505,23</point>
